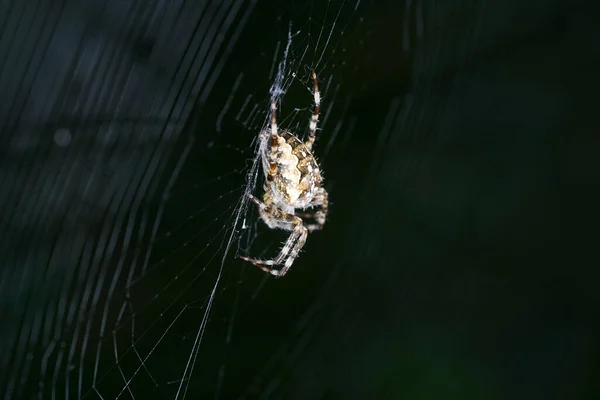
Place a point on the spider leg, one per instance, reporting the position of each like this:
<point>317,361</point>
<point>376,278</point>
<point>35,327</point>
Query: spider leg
<point>272,171</point>
<point>273,119</point>
<point>321,200</point>
<point>290,249</point>
<point>315,116</point>
<point>257,201</point>
<point>318,216</point>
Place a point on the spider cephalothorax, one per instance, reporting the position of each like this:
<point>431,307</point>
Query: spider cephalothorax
<point>292,181</point>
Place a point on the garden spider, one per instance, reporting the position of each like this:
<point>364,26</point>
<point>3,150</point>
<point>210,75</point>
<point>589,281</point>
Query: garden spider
<point>292,181</point>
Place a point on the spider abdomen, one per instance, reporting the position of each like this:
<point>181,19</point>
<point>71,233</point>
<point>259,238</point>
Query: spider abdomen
<point>297,173</point>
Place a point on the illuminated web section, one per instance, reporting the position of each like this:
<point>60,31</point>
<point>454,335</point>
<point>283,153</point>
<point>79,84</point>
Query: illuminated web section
<point>94,127</point>
<point>145,151</point>
<point>181,348</point>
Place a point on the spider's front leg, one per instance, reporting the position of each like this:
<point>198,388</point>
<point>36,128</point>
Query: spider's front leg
<point>292,246</point>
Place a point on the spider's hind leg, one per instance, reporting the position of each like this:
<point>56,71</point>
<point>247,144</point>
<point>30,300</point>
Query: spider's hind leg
<point>314,120</point>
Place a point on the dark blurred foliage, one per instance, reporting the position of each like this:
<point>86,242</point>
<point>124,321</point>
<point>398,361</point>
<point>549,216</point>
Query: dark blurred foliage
<point>460,257</point>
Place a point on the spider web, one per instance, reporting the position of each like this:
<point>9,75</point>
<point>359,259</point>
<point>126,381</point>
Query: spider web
<point>447,267</point>
<point>138,292</point>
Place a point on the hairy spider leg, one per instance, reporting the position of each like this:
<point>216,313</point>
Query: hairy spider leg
<point>273,119</point>
<point>314,120</point>
<point>256,201</point>
<point>290,249</point>
<point>321,199</point>
<point>274,142</point>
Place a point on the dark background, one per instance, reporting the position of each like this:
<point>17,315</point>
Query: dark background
<point>460,148</point>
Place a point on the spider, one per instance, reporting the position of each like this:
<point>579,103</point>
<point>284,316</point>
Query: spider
<point>292,181</point>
